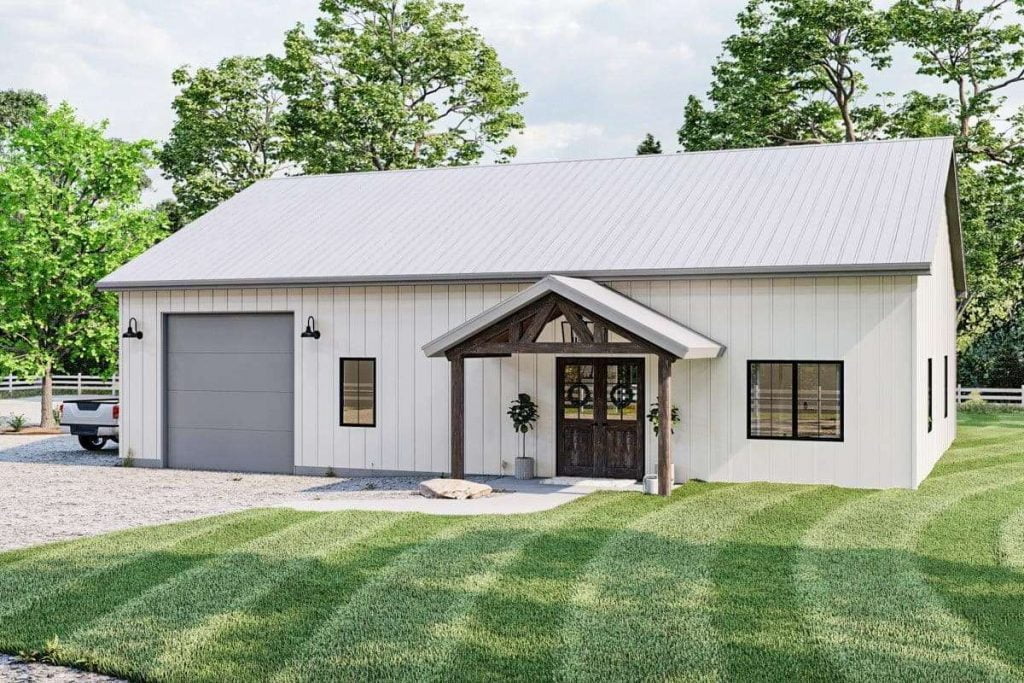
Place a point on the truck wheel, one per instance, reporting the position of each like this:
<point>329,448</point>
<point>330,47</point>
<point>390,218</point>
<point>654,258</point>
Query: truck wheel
<point>92,443</point>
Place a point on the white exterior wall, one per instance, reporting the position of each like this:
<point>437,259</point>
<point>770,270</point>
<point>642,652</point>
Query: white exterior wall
<point>865,321</point>
<point>935,322</point>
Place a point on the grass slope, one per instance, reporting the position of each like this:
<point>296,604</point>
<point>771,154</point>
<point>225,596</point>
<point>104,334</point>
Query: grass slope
<point>719,582</point>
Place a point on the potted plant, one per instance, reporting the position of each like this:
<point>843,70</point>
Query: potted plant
<point>654,417</point>
<point>524,414</point>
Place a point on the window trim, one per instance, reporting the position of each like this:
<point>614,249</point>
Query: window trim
<point>930,399</point>
<point>341,392</point>
<point>795,368</point>
<point>945,387</point>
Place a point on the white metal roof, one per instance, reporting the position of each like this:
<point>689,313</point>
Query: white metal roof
<point>861,207</point>
<point>628,314</point>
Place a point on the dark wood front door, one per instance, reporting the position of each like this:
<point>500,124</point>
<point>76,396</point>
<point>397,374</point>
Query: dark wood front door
<point>600,417</point>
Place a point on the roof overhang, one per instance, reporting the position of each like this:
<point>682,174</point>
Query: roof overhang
<point>847,269</point>
<point>956,239</point>
<point>657,329</point>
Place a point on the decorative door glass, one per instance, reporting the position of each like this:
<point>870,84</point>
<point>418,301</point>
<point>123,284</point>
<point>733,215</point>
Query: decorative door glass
<point>578,394</point>
<point>623,388</point>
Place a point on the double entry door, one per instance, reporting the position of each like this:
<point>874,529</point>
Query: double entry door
<point>600,421</point>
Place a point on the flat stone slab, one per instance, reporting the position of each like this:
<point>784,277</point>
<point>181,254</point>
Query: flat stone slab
<point>14,671</point>
<point>454,489</point>
<point>594,484</point>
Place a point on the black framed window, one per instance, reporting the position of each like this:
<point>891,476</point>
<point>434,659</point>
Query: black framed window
<point>795,400</point>
<point>929,394</point>
<point>358,392</point>
<point>945,386</point>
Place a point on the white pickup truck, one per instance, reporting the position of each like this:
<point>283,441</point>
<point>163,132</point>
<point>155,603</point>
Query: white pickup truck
<point>93,419</point>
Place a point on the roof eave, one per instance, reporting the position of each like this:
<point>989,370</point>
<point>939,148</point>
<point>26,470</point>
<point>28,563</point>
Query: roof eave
<point>914,268</point>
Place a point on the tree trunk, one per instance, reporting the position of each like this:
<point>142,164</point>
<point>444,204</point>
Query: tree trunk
<point>849,129</point>
<point>46,420</point>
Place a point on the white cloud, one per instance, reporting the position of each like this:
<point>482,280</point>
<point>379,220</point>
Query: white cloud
<point>547,141</point>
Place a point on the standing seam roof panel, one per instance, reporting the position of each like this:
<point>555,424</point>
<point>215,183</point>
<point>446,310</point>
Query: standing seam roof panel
<point>810,208</point>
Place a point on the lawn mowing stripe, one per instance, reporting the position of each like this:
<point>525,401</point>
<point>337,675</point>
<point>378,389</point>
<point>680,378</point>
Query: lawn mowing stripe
<point>58,567</point>
<point>1011,541</point>
<point>100,592</point>
<point>139,630</point>
<point>399,625</point>
<point>513,631</point>
<point>756,613</point>
<point>87,546</point>
<point>982,441</point>
<point>643,608</point>
<point>959,553</point>
<point>250,638</point>
<point>866,600</point>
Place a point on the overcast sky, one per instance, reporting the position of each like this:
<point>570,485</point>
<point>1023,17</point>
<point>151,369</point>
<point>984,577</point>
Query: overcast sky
<point>600,73</point>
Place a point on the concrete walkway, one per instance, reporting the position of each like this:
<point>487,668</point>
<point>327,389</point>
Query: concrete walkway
<point>511,497</point>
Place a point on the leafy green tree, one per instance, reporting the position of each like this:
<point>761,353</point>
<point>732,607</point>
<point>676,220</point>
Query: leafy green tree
<point>997,358</point>
<point>978,53</point>
<point>917,115</point>
<point>228,134</point>
<point>649,145</point>
<point>17,107</point>
<point>992,219</point>
<point>69,214</point>
<point>174,215</point>
<point>792,74</point>
<point>382,84</point>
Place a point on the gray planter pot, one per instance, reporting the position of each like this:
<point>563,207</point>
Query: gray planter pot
<point>524,468</point>
<point>651,481</point>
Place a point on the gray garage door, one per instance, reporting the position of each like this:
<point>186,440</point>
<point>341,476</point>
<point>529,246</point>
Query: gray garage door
<point>230,392</point>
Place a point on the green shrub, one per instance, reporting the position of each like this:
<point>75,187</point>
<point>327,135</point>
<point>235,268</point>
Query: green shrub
<point>16,422</point>
<point>977,406</point>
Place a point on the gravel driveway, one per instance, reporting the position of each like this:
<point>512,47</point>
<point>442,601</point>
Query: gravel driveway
<point>51,490</point>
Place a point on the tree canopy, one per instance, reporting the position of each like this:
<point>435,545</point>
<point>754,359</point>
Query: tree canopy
<point>69,214</point>
<point>649,145</point>
<point>798,71</point>
<point>228,133</point>
<point>382,84</point>
<point>17,107</point>
<point>792,74</point>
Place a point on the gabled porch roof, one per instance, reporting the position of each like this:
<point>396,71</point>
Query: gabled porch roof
<point>640,321</point>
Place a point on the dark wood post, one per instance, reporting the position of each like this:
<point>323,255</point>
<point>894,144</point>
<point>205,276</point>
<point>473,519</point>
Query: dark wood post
<point>665,427</point>
<point>458,398</point>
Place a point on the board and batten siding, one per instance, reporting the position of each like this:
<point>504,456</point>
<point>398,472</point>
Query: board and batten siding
<point>865,321</point>
<point>935,323</point>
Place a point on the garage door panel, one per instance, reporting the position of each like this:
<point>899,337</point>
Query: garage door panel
<point>231,410</point>
<point>241,333</point>
<point>218,449</point>
<point>229,372</point>
<point>229,400</point>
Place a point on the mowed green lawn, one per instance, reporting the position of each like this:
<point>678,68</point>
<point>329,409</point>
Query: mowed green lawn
<point>720,582</point>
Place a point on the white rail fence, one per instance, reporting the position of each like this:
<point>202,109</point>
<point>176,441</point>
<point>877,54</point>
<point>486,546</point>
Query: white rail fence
<point>1006,396</point>
<point>81,384</point>
<point>62,384</point>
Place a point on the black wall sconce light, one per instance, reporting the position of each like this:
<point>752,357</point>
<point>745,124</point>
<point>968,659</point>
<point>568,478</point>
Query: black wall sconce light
<point>133,330</point>
<point>310,332</point>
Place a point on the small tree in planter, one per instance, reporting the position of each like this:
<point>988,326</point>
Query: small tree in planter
<point>654,417</point>
<point>524,414</point>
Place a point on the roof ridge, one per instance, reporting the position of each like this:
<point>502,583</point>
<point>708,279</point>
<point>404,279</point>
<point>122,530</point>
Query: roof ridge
<point>634,157</point>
